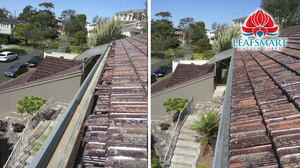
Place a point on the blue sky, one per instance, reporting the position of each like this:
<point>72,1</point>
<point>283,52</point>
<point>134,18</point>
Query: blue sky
<point>209,11</point>
<point>103,8</point>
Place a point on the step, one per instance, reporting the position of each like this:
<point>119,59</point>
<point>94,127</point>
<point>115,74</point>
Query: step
<point>182,159</point>
<point>188,136</point>
<point>184,151</point>
<point>187,144</point>
<point>187,130</point>
<point>29,159</point>
<point>193,118</point>
<point>177,165</point>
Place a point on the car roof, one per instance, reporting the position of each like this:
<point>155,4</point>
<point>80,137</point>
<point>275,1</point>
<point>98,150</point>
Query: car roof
<point>6,52</point>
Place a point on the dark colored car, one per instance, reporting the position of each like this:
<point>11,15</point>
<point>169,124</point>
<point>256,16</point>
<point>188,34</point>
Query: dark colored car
<point>34,61</point>
<point>153,78</point>
<point>16,70</point>
<point>162,71</point>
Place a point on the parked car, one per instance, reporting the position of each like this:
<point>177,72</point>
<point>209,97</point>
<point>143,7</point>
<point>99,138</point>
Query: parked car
<point>162,71</point>
<point>7,56</point>
<point>34,61</point>
<point>153,78</point>
<point>16,70</point>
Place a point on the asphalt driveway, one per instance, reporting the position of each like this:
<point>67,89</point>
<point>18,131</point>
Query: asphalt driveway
<point>23,58</point>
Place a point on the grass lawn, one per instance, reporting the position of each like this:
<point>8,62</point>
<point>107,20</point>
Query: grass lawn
<point>19,49</point>
<point>169,75</point>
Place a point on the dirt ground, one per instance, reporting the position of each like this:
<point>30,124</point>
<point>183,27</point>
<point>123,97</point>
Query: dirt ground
<point>206,157</point>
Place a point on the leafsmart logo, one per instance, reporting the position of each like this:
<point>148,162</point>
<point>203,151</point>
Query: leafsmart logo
<point>258,26</point>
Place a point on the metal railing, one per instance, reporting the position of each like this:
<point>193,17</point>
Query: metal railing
<point>186,111</point>
<point>26,135</point>
<point>45,153</point>
<point>222,144</point>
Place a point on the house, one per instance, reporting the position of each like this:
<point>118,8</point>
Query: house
<point>134,21</point>
<point>178,34</point>
<point>239,21</point>
<point>259,126</point>
<point>59,26</point>
<point>210,36</point>
<point>90,27</point>
<point>190,78</point>
<point>6,26</point>
<point>186,79</point>
<point>56,77</point>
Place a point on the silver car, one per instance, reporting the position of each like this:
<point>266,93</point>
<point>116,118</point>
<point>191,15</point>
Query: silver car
<point>7,56</point>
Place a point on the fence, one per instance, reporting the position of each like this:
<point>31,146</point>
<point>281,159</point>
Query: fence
<point>187,110</point>
<point>26,134</point>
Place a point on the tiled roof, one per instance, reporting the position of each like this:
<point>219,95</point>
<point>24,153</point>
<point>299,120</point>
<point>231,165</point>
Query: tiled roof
<point>184,73</point>
<point>116,133</point>
<point>10,21</point>
<point>52,65</point>
<point>265,118</point>
<point>187,72</point>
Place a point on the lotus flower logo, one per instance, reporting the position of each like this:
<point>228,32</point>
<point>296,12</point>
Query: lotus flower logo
<point>260,24</point>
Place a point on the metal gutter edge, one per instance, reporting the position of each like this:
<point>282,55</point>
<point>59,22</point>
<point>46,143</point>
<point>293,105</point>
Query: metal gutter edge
<point>45,153</point>
<point>221,150</point>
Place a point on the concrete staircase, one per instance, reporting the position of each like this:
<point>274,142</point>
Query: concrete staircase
<point>187,148</point>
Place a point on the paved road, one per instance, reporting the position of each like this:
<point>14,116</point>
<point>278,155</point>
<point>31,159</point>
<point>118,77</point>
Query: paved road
<point>23,58</point>
<point>157,64</point>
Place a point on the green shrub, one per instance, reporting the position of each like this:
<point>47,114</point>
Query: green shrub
<point>155,163</point>
<point>78,49</point>
<point>202,56</point>
<point>176,104</point>
<point>223,40</point>
<point>209,124</point>
<point>105,31</point>
<point>202,45</point>
<point>79,38</point>
<point>30,105</point>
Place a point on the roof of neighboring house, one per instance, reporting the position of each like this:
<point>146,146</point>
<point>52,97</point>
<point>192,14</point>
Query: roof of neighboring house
<point>240,19</point>
<point>116,133</point>
<point>52,65</point>
<point>49,68</point>
<point>10,21</point>
<point>265,105</point>
<point>184,73</point>
<point>131,11</point>
<point>98,50</point>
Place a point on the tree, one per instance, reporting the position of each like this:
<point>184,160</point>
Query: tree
<point>22,32</point>
<point>164,15</point>
<point>42,20</point>
<point>198,31</point>
<point>30,105</point>
<point>186,22</point>
<point>79,38</point>
<point>202,45</point>
<point>223,40</point>
<point>214,26</point>
<point>27,13</point>
<point>186,25</point>
<point>208,125</point>
<point>105,31</point>
<point>95,19</point>
<point>68,14</point>
<point>175,104</point>
<point>47,5</point>
<point>285,13</point>
<point>4,13</point>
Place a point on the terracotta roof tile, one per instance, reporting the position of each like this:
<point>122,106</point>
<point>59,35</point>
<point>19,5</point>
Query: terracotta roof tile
<point>121,109</point>
<point>265,129</point>
<point>52,65</point>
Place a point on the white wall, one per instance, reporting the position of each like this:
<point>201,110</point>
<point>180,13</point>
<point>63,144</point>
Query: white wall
<point>195,62</point>
<point>60,54</point>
